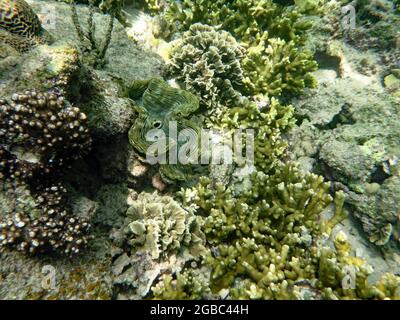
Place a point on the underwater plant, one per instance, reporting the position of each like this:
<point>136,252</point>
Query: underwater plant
<point>93,51</point>
<point>20,27</point>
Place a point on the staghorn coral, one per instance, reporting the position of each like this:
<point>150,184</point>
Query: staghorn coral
<point>161,105</point>
<point>21,28</point>
<point>93,53</point>
<point>42,221</point>
<point>275,66</point>
<point>39,133</point>
<point>269,120</point>
<point>207,63</point>
<point>268,241</point>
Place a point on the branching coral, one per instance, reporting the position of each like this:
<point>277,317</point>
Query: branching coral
<point>244,19</point>
<point>276,219</point>
<point>40,132</point>
<point>49,225</point>
<point>208,63</point>
<point>21,26</point>
<point>273,35</point>
<point>93,52</point>
<point>269,121</point>
<point>266,240</point>
<point>161,106</point>
<point>274,66</point>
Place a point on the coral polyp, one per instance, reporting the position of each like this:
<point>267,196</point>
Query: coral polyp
<point>40,132</point>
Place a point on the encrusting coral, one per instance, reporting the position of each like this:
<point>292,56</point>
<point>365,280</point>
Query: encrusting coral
<point>158,238</point>
<point>20,27</point>
<point>160,106</point>
<point>207,62</point>
<point>39,133</point>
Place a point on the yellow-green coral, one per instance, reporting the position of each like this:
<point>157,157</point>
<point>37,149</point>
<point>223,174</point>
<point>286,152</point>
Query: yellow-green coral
<point>268,121</point>
<point>275,66</point>
<point>273,34</point>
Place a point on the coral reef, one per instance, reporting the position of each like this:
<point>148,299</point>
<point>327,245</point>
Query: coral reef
<point>269,120</point>
<point>162,105</point>
<point>50,226</point>
<point>293,224</point>
<point>22,27</point>
<point>207,62</point>
<point>267,241</point>
<point>273,34</point>
<point>39,133</point>
<point>158,237</point>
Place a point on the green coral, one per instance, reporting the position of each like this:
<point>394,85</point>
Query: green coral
<point>269,120</point>
<point>160,106</point>
<point>207,62</point>
<point>275,66</point>
<point>266,240</point>
<point>273,34</point>
<point>112,7</point>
